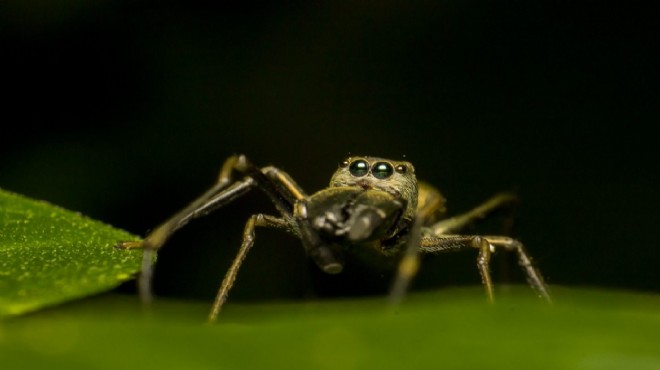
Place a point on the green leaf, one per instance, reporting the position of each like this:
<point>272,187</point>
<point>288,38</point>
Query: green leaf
<point>49,255</point>
<point>445,329</point>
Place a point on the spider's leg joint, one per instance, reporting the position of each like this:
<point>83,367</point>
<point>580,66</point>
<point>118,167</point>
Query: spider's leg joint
<point>300,209</point>
<point>242,162</point>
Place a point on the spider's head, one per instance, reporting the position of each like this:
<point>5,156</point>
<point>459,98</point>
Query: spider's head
<point>369,201</point>
<point>370,173</point>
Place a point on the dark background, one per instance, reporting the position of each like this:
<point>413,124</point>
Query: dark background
<point>125,110</point>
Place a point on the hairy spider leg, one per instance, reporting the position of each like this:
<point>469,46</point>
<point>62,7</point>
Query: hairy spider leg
<point>221,193</point>
<point>456,223</point>
<point>433,239</point>
<point>486,245</point>
<point>409,263</point>
<point>430,204</point>
<point>157,237</point>
<point>498,201</point>
<point>247,243</point>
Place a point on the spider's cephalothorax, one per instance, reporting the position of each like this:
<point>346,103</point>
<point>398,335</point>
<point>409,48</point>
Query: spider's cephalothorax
<point>371,202</point>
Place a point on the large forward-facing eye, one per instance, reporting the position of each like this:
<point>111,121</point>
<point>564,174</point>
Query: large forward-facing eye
<point>359,168</point>
<point>382,170</point>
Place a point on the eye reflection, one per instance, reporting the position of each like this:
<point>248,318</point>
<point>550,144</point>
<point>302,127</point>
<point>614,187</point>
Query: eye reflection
<point>382,170</point>
<point>359,168</point>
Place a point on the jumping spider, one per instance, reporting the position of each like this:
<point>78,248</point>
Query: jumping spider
<point>372,203</point>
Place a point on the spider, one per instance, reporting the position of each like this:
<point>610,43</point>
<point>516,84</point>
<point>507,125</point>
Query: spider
<point>373,205</point>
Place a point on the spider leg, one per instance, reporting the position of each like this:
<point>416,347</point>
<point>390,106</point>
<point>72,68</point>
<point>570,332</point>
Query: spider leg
<point>409,263</point>
<point>430,205</point>
<point>247,243</point>
<point>486,245</point>
<point>285,183</point>
<point>228,195</point>
<point>157,237</point>
<point>275,183</point>
<point>456,223</point>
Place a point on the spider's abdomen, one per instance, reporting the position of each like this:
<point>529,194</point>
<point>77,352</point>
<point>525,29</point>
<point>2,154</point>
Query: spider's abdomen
<point>355,215</point>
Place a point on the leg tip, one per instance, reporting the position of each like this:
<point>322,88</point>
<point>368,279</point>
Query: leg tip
<point>129,245</point>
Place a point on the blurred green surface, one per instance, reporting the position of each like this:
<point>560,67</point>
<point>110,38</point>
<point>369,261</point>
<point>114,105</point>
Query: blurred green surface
<point>449,329</point>
<point>50,255</point>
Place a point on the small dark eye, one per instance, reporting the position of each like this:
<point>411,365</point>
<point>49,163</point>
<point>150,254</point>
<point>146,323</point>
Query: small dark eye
<point>402,168</point>
<point>359,168</point>
<point>343,164</point>
<point>382,170</point>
